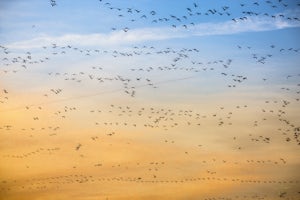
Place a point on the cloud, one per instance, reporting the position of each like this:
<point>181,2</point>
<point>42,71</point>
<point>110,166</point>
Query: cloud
<point>252,24</point>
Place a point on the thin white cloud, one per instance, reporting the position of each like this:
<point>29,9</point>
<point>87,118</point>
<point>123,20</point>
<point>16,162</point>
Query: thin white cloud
<point>252,24</point>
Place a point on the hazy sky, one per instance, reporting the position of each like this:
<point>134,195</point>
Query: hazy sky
<point>149,99</point>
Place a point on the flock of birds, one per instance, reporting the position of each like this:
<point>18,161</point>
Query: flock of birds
<point>268,123</point>
<point>130,84</point>
<point>195,11</point>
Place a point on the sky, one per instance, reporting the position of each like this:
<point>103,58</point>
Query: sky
<point>112,99</point>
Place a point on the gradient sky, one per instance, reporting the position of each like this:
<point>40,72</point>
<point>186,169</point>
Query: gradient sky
<point>149,99</point>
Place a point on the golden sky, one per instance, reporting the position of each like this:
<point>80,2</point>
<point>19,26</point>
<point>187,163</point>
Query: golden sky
<point>184,108</point>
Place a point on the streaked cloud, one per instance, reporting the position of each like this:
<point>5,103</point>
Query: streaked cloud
<point>252,24</point>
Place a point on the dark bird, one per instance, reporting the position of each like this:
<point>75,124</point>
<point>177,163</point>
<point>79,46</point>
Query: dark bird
<point>78,147</point>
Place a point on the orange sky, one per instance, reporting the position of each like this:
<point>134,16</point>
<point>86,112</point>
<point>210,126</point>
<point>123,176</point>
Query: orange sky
<point>197,156</point>
<point>128,100</point>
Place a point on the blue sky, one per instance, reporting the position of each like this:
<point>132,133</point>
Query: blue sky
<point>140,81</point>
<point>25,20</point>
<point>32,24</point>
<point>220,30</point>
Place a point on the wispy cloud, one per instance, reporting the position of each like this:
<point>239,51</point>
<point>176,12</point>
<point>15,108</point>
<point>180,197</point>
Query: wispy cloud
<point>252,24</point>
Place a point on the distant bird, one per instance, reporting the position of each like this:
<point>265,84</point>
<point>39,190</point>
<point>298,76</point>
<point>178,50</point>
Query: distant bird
<point>78,147</point>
